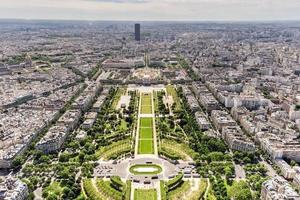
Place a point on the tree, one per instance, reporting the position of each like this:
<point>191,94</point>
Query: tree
<point>81,157</point>
<point>74,144</point>
<point>228,172</point>
<point>239,191</point>
<point>215,156</point>
<point>17,161</point>
<point>44,159</point>
<point>64,157</point>
<point>294,163</point>
<point>52,196</point>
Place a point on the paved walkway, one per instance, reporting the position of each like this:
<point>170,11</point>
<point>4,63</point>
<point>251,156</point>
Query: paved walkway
<point>207,188</point>
<point>136,149</point>
<point>154,126</point>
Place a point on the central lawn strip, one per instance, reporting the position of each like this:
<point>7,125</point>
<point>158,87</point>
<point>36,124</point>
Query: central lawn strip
<point>146,103</point>
<point>146,133</point>
<point>146,147</point>
<point>150,194</point>
<point>146,122</point>
<point>146,110</point>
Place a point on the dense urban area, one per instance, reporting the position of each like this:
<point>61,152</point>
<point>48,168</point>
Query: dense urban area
<point>149,111</point>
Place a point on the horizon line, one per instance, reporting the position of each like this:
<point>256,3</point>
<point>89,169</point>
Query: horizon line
<point>155,20</point>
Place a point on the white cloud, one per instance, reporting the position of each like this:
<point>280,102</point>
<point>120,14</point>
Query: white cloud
<point>152,9</point>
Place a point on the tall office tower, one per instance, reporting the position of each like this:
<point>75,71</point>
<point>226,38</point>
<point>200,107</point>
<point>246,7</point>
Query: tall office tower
<point>137,33</point>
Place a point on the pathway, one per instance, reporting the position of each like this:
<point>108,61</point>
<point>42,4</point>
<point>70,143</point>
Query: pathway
<point>138,128</point>
<point>154,126</point>
<point>207,188</point>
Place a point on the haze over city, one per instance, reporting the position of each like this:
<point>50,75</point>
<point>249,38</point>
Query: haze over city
<point>158,10</point>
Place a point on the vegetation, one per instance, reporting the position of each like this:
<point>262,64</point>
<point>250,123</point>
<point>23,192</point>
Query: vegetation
<point>120,91</point>
<point>198,194</point>
<point>128,190</point>
<point>256,174</point>
<point>160,107</point>
<point>180,191</point>
<point>239,191</point>
<point>106,189</point>
<point>133,169</point>
<point>163,190</point>
<point>17,59</point>
<point>117,183</point>
<point>171,91</point>
<point>189,70</point>
<point>146,103</point>
<point>219,188</point>
<point>244,157</point>
<point>53,191</point>
<point>176,181</point>
<point>150,194</point>
<point>146,145</point>
<point>175,150</point>
<point>90,190</point>
<point>115,150</point>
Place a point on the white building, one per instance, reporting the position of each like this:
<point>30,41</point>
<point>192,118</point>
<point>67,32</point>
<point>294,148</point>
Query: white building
<point>53,140</point>
<point>13,189</point>
<point>277,188</point>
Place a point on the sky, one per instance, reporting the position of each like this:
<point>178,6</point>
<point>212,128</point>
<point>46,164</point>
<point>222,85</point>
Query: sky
<point>152,10</point>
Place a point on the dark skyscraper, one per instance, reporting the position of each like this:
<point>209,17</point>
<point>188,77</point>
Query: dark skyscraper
<point>137,34</point>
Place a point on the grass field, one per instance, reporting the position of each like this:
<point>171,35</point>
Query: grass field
<point>146,136</point>
<point>114,149</point>
<point>120,91</point>
<point>140,194</point>
<point>134,169</point>
<point>146,133</point>
<point>180,149</point>
<point>146,122</point>
<point>146,147</point>
<point>171,91</point>
<point>146,104</point>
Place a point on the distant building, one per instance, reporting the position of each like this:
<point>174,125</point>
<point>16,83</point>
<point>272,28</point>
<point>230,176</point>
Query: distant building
<point>137,32</point>
<point>13,189</point>
<point>236,139</point>
<point>286,170</point>
<point>203,123</point>
<point>221,119</point>
<point>278,188</point>
<point>53,140</point>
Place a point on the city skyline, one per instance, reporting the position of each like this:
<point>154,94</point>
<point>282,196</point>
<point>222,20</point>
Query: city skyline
<point>152,10</point>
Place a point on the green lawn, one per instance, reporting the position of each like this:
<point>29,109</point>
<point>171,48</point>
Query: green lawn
<point>134,169</point>
<point>114,149</point>
<point>120,91</point>
<point>146,136</point>
<point>140,194</point>
<point>146,104</point>
<point>146,122</point>
<point>123,125</point>
<point>146,109</point>
<point>146,147</point>
<point>54,189</point>
<point>146,133</point>
<point>146,99</point>
<point>171,91</point>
